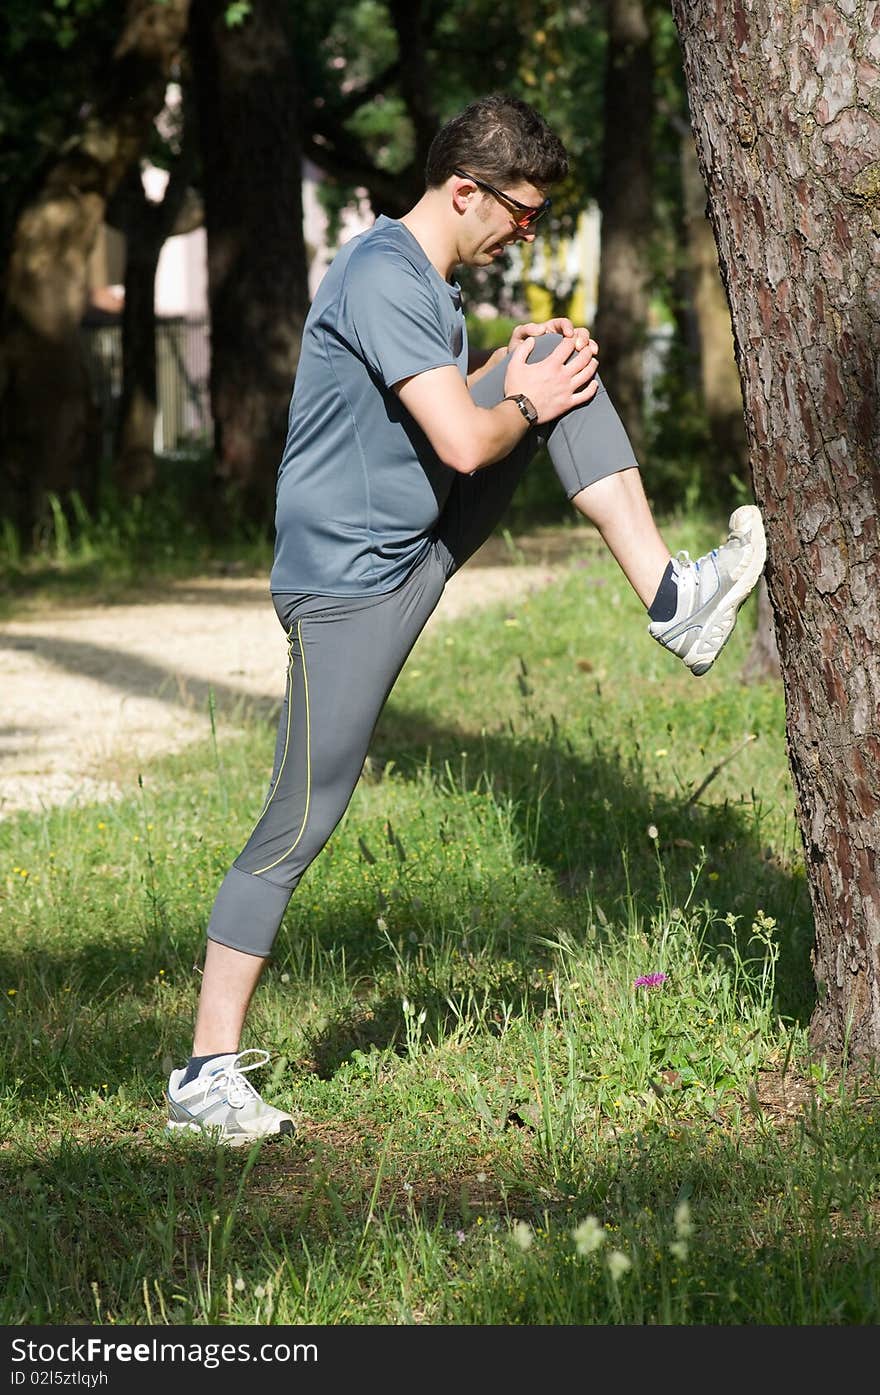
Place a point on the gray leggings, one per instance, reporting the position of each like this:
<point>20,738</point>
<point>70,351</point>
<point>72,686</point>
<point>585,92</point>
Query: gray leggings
<point>344,656</point>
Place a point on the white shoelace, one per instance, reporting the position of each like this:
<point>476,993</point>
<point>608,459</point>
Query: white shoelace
<point>684,558</point>
<point>231,1078</point>
<point>685,568</point>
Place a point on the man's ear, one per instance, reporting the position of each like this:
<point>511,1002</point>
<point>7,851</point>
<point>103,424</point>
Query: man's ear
<point>462,191</point>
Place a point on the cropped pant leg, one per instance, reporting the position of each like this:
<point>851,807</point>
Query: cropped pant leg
<point>343,658</point>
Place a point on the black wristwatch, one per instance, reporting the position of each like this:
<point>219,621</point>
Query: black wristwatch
<point>524,405</point>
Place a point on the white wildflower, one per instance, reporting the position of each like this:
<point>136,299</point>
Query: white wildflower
<point>684,1228</point>
<point>523,1235</point>
<point>618,1264</point>
<point>588,1236</point>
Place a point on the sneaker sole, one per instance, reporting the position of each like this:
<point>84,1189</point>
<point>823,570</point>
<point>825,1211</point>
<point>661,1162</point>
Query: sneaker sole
<point>174,1128</point>
<point>743,588</point>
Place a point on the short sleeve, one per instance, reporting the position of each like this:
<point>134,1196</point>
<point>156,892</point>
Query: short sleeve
<point>390,316</point>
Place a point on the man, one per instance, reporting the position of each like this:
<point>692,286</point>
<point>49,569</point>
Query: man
<point>401,457</point>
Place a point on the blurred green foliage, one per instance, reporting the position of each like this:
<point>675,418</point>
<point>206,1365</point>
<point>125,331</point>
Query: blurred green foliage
<point>357,110</point>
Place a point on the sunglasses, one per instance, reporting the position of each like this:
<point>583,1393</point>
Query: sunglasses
<point>528,214</point>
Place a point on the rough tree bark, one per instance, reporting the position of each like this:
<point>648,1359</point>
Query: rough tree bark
<point>245,87</point>
<point>785,102</point>
<point>626,203</point>
<point>48,431</point>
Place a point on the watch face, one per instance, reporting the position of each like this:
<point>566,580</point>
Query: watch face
<point>524,405</point>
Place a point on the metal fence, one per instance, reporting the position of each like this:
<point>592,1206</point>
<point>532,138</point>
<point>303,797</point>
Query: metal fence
<point>183,365</point>
<point>183,358</point>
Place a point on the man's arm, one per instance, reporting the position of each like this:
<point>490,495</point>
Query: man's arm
<point>467,437</point>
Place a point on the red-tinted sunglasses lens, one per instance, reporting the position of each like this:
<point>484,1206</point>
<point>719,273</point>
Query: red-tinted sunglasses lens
<point>532,216</point>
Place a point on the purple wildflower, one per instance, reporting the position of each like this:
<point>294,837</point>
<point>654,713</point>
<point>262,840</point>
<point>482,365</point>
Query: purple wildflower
<point>649,981</point>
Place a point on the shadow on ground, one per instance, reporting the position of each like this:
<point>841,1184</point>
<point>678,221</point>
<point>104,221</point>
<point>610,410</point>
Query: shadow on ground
<point>127,1221</point>
<point>582,819</point>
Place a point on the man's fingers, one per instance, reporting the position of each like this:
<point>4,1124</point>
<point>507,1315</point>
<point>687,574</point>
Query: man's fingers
<point>584,375</point>
<point>564,351</point>
<point>583,362</point>
<point>523,348</point>
<point>577,358</point>
<point>586,394</point>
<point>589,385</point>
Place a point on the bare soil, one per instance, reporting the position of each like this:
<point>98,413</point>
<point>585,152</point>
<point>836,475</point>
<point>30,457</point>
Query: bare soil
<point>91,693</point>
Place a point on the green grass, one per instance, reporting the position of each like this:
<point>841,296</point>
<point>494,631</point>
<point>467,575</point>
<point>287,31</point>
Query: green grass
<point>120,547</point>
<point>452,1016</point>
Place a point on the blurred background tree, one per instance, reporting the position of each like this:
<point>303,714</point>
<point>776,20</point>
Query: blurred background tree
<point>357,90</point>
<point>82,84</point>
<point>246,86</point>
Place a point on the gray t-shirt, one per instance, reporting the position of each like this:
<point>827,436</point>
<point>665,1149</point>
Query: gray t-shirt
<point>359,486</point>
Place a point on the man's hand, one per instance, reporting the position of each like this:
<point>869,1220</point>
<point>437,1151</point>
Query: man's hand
<point>566,378</point>
<point>560,325</point>
<point>482,360</point>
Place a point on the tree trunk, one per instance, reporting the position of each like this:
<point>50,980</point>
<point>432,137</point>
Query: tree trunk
<point>48,428</point>
<point>245,87</point>
<point>719,376</point>
<point>684,291</point>
<point>413,22</point>
<point>626,205</point>
<point>762,661</point>
<point>146,226</point>
<point>784,101</point>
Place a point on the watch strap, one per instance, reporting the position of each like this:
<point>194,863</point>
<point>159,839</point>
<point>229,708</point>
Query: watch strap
<point>525,406</point>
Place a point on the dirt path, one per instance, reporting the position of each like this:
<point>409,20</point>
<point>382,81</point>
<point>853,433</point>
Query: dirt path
<point>90,694</point>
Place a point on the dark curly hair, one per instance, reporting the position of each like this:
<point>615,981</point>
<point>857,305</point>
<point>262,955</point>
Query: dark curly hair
<point>501,139</point>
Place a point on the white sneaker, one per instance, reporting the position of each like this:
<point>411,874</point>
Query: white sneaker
<point>711,591</point>
<point>221,1103</point>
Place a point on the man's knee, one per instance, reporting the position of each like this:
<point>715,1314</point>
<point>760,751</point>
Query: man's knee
<point>544,346</point>
<point>489,390</point>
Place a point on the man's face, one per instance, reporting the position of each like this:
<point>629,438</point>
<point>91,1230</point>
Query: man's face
<point>492,227</point>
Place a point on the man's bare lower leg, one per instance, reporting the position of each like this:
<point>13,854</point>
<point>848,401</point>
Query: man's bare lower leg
<point>228,983</point>
<point>617,505</point>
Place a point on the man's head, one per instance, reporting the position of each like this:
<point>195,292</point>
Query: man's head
<point>496,160</point>
<point>502,140</point>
